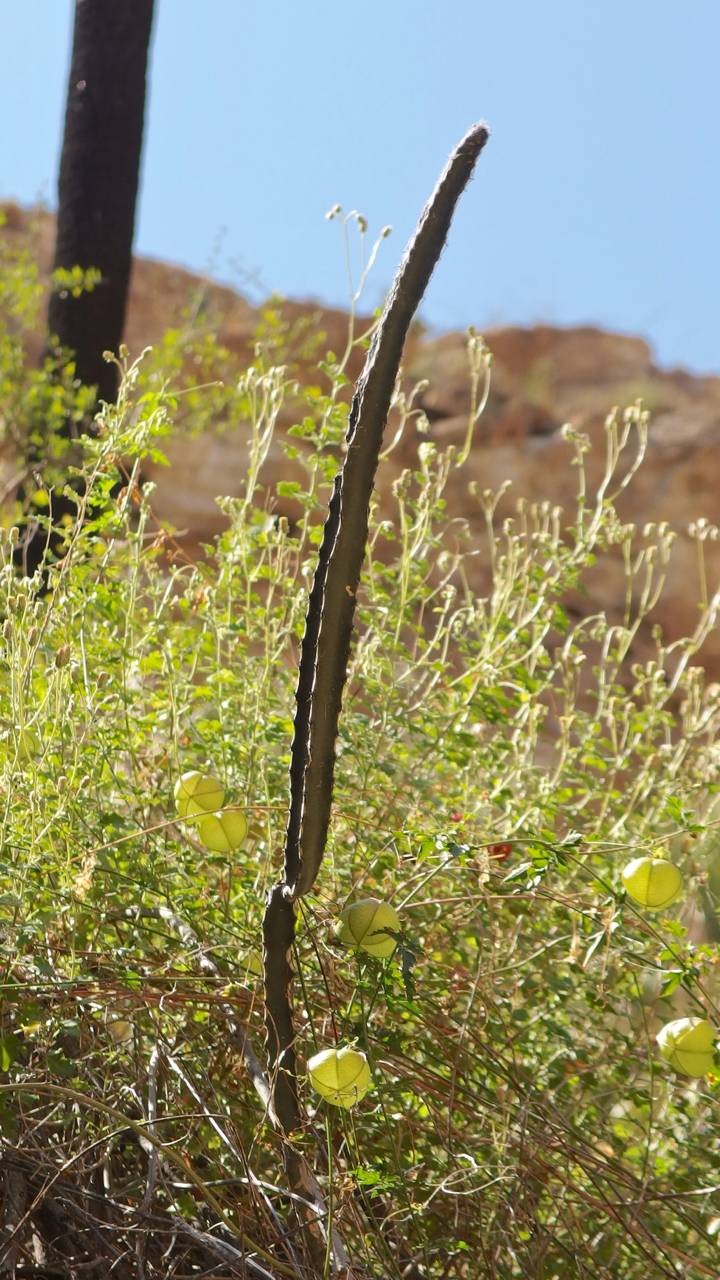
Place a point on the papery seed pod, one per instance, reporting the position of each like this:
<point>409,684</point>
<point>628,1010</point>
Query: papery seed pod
<point>370,925</point>
<point>688,1044</point>
<point>252,963</point>
<point>62,657</point>
<point>341,1076</point>
<point>654,883</point>
<point>121,1031</point>
<point>198,793</point>
<point>224,832</point>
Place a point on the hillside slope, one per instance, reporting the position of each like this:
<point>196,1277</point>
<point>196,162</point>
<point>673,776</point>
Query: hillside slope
<point>543,377</point>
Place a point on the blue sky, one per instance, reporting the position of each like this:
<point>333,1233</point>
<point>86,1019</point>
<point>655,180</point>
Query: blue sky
<point>594,201</point>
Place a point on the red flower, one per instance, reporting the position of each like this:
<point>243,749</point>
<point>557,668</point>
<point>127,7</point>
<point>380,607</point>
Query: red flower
<point>500,851</point>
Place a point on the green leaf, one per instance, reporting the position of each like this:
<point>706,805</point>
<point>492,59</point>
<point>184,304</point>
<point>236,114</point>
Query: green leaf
<point>10,1048</point>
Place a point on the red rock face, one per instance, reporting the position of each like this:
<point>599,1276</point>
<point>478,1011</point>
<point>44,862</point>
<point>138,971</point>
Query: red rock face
<point>543,377</point>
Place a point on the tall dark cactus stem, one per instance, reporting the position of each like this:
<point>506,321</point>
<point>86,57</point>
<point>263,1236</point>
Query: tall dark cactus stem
<point>323,670</point>
<point>328,629</point>
<point>278,935</point>
<point>331,607</point>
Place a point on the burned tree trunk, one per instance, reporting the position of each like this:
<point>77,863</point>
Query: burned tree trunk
<point>99,173</point>
<point>97,194</point>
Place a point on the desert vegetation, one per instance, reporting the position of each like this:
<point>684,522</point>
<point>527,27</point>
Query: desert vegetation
<point>354,923</point>
<point>507,1110</point>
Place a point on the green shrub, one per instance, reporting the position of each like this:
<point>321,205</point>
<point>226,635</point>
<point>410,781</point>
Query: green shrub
<point>498,765</point>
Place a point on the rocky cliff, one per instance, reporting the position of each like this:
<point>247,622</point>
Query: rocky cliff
<point>543,377</point>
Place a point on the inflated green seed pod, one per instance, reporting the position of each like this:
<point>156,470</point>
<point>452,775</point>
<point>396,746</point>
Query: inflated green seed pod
<point>370,925</point>
<point>121,1031</point>
<point>252,963</point>
<point>340,1076</point>
<point>198,793</point>
<point>654,883</point>
<point>222,832</point>
<point>688,1044</point>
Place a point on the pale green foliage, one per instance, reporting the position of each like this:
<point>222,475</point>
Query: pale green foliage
<point>34,403</point>
<point>521,1121</point>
